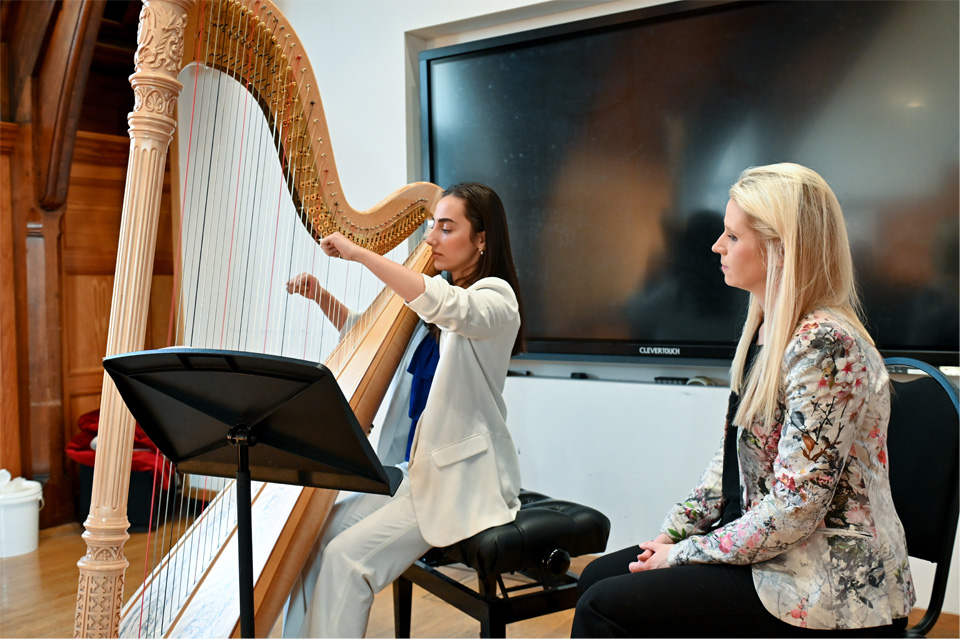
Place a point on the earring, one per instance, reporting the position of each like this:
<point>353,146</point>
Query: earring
<point>481,251</point>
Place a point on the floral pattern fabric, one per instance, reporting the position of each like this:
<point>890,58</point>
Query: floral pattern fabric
<point>818,526</point>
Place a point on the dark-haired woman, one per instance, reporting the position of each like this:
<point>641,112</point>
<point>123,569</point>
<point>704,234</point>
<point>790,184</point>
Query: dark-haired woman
<point>463,474</point>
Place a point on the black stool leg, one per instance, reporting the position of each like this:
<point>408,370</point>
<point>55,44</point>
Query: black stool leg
<point>492,624</point>
<point>402,601</point>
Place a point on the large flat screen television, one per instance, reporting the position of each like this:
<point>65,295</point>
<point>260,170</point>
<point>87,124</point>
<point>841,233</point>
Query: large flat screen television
<point>613,143</point>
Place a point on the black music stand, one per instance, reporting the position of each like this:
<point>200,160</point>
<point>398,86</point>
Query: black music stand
<point>287,418</point>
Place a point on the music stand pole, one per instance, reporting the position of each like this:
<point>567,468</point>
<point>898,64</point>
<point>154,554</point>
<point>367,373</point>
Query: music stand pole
<point>242,438</point>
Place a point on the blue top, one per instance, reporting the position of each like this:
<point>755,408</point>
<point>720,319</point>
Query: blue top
<point>423,365</point>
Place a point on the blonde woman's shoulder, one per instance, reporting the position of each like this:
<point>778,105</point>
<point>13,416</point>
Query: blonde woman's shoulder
<point>825,332</point>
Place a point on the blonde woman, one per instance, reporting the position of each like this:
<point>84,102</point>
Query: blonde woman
<point>792,528</point>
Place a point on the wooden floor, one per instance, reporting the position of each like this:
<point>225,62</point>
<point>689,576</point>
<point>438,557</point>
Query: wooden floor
<point>38,594</point>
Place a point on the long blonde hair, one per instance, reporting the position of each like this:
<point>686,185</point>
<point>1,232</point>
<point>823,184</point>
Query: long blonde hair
<point>804,242</point>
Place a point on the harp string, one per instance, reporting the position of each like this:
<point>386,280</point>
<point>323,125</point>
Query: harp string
<point>215,519</point>
<point>236,202</point>
<point>252,176</point>
<point>163,513</point>
<point>304,322</point>
<point>183,506</point>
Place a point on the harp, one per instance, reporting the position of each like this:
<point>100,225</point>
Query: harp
<point>251,45</point>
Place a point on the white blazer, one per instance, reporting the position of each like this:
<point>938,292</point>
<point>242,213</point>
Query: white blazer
<point>464,470</point>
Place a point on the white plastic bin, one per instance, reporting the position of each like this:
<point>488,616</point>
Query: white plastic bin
<point>20,505</point>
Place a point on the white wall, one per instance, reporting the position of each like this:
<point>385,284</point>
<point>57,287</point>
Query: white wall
<point>364,54</point>
<point>604,443</point>
<point>631,450</point>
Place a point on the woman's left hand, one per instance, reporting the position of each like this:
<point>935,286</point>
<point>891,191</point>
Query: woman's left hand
<point>654,555</point>
<point>337,245</point>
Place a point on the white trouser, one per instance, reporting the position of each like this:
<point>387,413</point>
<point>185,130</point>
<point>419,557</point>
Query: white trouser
<point>367,542</point>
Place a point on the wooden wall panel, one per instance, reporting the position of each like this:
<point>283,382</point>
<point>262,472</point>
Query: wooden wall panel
<point>44,444</point>
<point>87,308</point>
<point>91,226</point>
<point>61,194</point>
<point>160,301</point>
<point>72,258</point>
<point>20,196</point>
<point>92,216</point>
<point>48,46</point>
<point>9,401</point>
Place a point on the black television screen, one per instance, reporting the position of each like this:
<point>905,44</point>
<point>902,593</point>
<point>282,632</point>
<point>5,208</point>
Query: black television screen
<point>613,143</point>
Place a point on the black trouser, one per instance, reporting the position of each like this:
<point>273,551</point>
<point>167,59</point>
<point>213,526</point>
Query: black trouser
<point>704,600</point>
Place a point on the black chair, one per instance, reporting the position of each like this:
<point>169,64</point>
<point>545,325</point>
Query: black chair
<point>538,544</point>
<point>925,472</point>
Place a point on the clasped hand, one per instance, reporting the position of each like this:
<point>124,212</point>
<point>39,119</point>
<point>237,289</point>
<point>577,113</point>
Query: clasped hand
<point>655,554</point>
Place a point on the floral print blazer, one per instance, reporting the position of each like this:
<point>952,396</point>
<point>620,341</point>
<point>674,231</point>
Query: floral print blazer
<point>818,526</point>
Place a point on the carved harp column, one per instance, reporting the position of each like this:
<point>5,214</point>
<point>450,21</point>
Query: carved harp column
<point>152,123</point>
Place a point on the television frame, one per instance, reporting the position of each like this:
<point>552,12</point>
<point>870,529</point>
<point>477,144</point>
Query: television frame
<point>608,350</point>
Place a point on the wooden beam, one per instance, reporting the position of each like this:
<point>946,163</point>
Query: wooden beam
<point>24,32</point>
<point>58,89</point>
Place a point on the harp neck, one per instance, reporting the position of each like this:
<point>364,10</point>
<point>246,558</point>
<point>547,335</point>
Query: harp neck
<point>253,43</point>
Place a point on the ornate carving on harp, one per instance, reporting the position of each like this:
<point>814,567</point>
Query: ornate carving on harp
<point>251,43</point>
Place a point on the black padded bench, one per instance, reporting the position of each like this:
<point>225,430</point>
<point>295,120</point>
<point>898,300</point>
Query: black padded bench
<point>538,544</point>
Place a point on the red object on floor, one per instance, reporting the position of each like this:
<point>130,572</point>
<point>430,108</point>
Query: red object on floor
<point>145,457</point>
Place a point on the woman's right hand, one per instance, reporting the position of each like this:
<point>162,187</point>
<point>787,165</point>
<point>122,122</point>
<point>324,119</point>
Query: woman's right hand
<point>307,285</point>
<point>339,245</point>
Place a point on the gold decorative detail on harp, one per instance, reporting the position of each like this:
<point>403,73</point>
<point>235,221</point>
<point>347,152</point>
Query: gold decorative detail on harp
<point>252,43</point>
